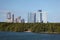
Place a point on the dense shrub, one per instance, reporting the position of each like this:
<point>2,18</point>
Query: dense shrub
<point>34,27</point>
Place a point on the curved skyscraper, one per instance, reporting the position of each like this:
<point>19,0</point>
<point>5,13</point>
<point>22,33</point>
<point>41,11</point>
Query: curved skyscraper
<point>9,17</point>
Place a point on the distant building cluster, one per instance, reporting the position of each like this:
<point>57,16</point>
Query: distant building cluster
<point>11,18</point>
<point>36,17</point>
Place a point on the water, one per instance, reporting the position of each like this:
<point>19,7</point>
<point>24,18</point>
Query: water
<point>27,36</point>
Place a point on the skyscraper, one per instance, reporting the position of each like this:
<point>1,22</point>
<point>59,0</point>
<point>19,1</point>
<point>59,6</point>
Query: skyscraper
<point>22,21</point>
<point>40,11</point>
<point>19,19</point>
<point>29,17</point>
<point>16,21</point>
<point>32,18</point>
<point>9,17</point>
<point>44,17</point>
<point>13,18</point>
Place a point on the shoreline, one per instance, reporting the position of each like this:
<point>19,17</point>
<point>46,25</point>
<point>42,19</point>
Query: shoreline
<point>36,32</point>
<point>44,32</point>
<point>49,33</point>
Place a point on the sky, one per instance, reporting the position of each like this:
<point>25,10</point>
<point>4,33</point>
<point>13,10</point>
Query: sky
<point>23,7</point>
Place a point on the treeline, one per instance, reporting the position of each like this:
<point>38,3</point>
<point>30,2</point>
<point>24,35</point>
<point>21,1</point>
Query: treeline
<point>33,27</point>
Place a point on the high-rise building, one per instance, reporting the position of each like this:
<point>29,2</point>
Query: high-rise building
<point>44,17</point>
<point>9,17</point>
<point>13,18</point>
<point>32,18</point>
<point>29,17</point>
<point>22,21</point>
<point>41,15</point>
<point>16,21</point>
<point>19,19</point>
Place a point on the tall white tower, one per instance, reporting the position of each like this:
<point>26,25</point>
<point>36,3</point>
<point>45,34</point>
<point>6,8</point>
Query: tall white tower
<point>45,14</point>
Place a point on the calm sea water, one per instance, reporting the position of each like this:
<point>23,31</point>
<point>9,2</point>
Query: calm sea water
<point>27,36</point>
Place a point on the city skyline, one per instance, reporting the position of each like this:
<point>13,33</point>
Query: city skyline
<point>23,7</point>
<point>32,17</point>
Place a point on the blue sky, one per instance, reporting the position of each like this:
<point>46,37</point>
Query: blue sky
<point>22,7</point>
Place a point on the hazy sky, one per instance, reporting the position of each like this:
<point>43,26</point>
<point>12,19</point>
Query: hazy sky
<point>22,7</point>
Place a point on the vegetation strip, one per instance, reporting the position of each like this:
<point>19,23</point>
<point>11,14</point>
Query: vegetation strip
<point>32,27</point>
